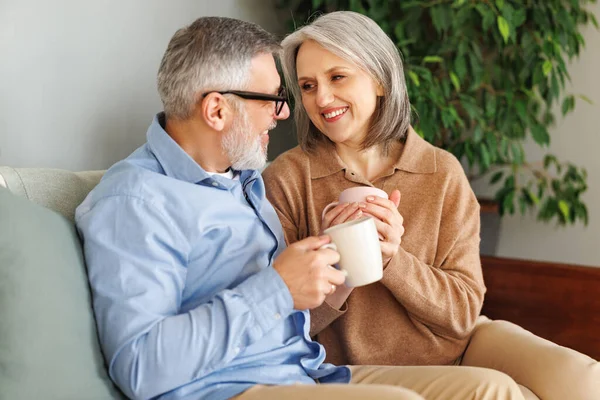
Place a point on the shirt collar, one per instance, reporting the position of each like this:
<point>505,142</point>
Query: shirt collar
<point>177,163</point>
<point>417,157</point>
<point>172,158</point>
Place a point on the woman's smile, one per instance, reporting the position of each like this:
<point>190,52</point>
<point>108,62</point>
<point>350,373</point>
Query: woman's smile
<point>334,114</point>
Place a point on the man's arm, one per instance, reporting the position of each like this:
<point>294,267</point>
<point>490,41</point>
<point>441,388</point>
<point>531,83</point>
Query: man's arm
<point>137,261</point>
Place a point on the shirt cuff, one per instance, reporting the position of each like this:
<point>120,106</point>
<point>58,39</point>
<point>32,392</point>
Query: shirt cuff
<point>269,297</point>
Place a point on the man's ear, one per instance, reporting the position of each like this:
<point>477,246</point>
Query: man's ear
<point>215,111</point>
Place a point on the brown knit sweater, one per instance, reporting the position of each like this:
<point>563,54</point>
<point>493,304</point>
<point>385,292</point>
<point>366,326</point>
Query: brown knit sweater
<point>424,309</point>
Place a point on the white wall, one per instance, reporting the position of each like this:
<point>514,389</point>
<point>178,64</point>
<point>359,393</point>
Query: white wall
<point>78,77</point>
<point>575,138</point>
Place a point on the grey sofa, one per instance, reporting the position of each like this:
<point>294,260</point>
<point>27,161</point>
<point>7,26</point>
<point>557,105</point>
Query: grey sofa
<point>48,341</point>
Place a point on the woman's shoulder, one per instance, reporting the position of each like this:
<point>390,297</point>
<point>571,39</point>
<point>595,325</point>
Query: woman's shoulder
<point>290,166</point>
<point>447,162</point>
<point>294,162</point>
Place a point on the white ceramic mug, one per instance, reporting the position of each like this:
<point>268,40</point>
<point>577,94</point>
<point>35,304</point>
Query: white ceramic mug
<point>357,242</point>
<point>355,195</point>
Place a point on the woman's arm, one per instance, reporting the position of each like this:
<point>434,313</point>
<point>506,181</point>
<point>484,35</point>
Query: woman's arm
<point>446,296</point>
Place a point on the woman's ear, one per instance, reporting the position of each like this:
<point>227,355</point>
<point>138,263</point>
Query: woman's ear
<point>215,111</point>
<point>380,92</point>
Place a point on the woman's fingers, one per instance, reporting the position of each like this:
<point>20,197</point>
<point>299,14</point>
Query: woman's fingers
<point>340,214</point>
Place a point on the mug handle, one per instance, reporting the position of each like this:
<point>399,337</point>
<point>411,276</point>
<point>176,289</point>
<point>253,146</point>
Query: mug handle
<point>327,208</point>
<point>333,247</point>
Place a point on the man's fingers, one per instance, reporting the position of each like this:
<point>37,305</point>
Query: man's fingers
<point>335,276</point>
<point>312,242</point>
<point>329,256</point>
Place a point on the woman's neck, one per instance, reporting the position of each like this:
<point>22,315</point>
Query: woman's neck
<point>371,163</point>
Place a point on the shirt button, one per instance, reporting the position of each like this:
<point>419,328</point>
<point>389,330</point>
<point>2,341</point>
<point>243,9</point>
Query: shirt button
<point>236,350</point>
<point>277,316</point>
<point>215,183</point>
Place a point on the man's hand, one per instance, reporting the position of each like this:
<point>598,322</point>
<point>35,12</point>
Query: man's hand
<point>306,270</point>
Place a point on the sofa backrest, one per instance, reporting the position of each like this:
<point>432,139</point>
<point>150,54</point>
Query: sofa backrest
<point>59,190</point>
<point>49,347</point>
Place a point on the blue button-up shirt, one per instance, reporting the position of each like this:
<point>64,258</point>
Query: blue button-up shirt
<point>187,303</point>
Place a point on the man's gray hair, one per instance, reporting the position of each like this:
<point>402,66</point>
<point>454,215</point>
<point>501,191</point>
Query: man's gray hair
<point>359,40</point>
<point>211,54</point>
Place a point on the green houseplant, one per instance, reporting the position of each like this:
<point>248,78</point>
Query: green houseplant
<point>484,76</point>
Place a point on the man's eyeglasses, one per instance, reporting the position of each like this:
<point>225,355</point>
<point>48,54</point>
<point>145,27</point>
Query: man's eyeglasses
<point>280,99</point>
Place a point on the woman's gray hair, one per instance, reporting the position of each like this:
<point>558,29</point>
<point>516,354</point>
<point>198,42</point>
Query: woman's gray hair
<point>211,54</point>
<point>359,40</point>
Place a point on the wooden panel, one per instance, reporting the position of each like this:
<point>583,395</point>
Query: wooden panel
<point>555,301</point>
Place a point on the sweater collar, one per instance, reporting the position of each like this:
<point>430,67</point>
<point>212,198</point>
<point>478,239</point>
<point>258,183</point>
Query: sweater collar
<point>418,157</point>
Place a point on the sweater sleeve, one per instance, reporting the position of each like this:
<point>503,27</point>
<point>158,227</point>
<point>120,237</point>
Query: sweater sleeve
<point>447,296</point>
<point>286,193</point>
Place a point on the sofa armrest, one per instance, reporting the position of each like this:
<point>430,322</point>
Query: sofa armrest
<point>550,371</point>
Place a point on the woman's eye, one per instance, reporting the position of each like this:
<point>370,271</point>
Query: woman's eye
<point>306,86</point>
<point>337,77</point>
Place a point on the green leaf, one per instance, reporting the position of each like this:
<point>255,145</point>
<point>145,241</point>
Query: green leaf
<point>455,81</point>
<point>522,205</point>
<point>532,196</point>
<point>508,202</point>
<point>503,27</point>
<point>317,3</point>
<point>477,134</point>
<point>563,206</point>
<point>432,59</point>
<point>460,67</point>
<point>550,159</point>
<point>568,104</point>
<point>521,110</point>
<point>414,77</point>
<point>586,99</point>
<point>485,156</point>
<point>540,134</point>
<point>496,177</point>
<point>499,4</point>
<point>517,153</point>
<point>547,67</point>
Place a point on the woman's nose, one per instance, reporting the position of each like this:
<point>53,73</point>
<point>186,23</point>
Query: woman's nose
<point>324,95</point>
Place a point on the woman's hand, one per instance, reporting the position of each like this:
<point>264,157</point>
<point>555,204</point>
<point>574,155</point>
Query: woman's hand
<point>389,223</point>
<point>341,213</point>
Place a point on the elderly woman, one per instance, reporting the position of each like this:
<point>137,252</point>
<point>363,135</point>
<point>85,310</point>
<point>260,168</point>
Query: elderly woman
<point>353,123</point>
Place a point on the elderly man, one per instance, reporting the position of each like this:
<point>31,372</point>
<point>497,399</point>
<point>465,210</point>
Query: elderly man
<point>194,291</point>
<point>195,294</point>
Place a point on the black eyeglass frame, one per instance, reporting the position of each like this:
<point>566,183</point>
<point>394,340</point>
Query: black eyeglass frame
<point>280,99</point>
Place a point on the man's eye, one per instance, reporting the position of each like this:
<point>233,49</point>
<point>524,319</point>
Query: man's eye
<point>337,77</point>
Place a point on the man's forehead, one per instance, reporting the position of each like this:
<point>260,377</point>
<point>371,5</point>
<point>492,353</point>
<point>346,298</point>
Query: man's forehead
<point>264,74</point>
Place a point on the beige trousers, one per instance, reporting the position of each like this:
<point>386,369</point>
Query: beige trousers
<point>388,382</point>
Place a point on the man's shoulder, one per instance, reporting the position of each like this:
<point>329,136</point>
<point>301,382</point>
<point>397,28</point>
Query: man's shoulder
<point>130,178</point>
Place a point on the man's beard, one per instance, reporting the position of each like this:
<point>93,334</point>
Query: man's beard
<point>242,146</point>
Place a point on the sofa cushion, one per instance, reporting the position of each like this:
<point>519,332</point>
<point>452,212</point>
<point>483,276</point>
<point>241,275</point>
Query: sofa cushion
<point>57,189</point>
<point>48,340</point>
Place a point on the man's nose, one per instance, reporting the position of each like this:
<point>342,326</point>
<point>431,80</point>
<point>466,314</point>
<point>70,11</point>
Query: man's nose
<point>285,112</point>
